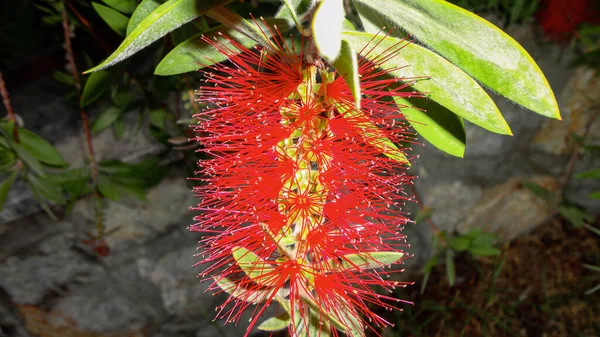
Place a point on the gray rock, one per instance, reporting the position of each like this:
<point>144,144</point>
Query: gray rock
<point>451,202</point>
<point>100,306</point>
<point>28,280</point>
<point>182,294</point>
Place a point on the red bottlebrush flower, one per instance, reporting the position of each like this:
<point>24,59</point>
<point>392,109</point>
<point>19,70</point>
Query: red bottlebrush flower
<point>300,199</point>
<point>560,19</point>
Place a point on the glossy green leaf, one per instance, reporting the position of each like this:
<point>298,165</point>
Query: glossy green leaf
<point>435,123</point>
<point>195,53</point>
<point>125,6</point>
<point>106,119</point>
<point>347,65</point>
<point>327,25</point>
<point>167,17</point>
<point>141,12</point>
<point>591,174</point>
<point>478,47</point>
<point>450,268</point>
<point>5,186</point>
<point>249,295</point>
<point>364,261</point>
<point>448,86</point>
<point>36,147</point>
<point>276,323</point>
<point>115,20</point>
<point>256,268</point>
<point>94,88</point>
<point>372,134</point>
<point>249,28</point>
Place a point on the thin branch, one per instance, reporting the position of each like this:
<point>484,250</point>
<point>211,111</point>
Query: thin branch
<point>11,113</point>
<point>72,67</point>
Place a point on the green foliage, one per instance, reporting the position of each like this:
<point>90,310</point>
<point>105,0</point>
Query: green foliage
<point>475,243</point>
<point>115,20</point>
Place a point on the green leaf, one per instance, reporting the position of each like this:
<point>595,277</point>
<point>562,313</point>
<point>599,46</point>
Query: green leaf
<point>7,159</point>
<point>435,123</point>
<point>364,261</point>
<point>29,159</point>
<point>94,87</point>
<point>46,189</point>
<point>141,12</point>
<point>125,6</point>
<point>195,53</point>
<point>5,186</point>
<point>276,323</point>
<point>121,96</point>
<point>119,128</point>
<point>372,134</point>
<point>235,21</point>
<point>106,119</point>
<point>459,243</point>
<point>256,268</point>
<point>35,147</point>
<point>184,32</point>
<point>575,215</point>
<point>591,174</point>
<point>538,190</point>
<point>448,86</point>
<point>109,189</point>
<point>327,25</point>
<point>249,295</point>
<point>115,20</point>
<point>347,65</point>
<point>158,118</point>
<point>481,49</point>
<point>157,24</point>
<point>595,195</point>
<point>450,268</point>
<point>289,9</point>
<point>484,251</point>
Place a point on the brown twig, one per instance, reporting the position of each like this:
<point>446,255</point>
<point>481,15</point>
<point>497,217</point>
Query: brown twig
<point>84,115</point>
<point>72,67</point>
<point>11,113</point>
<point>87,25</point>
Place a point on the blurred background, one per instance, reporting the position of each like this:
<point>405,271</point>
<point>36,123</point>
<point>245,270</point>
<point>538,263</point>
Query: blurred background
<point>505,241</point>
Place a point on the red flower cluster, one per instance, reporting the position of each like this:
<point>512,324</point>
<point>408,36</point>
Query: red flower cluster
<point>301,194</point>
<point>560,19</point>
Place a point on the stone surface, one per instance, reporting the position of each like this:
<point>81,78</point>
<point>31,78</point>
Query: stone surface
<point>509,209</point>
<point>451,203</point>
<point>578,110</point>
